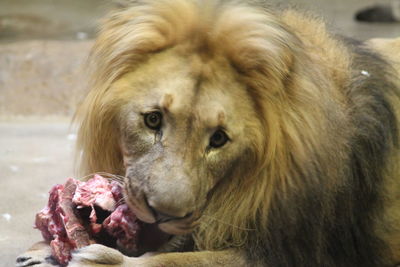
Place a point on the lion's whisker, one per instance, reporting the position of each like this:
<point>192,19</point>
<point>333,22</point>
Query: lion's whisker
<point>86,177</point>
<point>119,202</point>
<point>115,177</point>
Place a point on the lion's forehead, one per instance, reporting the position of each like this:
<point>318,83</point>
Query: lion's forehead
<point>204,108</point>
<point>207,96</point>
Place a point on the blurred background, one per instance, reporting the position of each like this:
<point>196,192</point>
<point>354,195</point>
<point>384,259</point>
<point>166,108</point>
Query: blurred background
<point>43,48</point>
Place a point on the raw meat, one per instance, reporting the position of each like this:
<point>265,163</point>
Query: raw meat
<point>81,213</point>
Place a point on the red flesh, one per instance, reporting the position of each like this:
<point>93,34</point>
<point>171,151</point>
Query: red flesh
<point>62,224</point>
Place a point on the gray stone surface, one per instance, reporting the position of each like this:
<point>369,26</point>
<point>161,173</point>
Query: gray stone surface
<point>339,15</point>
<point>42,77</point>
<point>34,155</point>
<point>50,19</point>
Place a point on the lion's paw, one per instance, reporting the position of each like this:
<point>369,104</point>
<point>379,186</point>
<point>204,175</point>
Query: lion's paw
<point>95,255</point>
<point>38,255</point>
<point>99,255</point>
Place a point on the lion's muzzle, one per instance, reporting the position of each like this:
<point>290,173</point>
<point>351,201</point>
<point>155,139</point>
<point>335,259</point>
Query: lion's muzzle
<point>153,209</point>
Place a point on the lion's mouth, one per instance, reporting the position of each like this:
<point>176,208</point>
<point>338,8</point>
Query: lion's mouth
<point>167,224</point>
<point>155,233</point>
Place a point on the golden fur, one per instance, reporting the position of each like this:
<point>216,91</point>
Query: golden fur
<point>299,139</point>
<point>295,114</point>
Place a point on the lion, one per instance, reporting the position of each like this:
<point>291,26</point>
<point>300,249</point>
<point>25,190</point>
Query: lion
<point>250,136</point>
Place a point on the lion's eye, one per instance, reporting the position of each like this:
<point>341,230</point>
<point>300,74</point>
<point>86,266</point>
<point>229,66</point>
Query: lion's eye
<point>218,139</point>
<point>153,120</point>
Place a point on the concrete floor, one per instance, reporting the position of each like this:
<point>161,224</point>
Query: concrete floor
<point>35,149</point>
<point>34,155</point>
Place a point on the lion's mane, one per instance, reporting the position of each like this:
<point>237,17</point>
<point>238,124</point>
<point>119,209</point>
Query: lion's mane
<point>314,186</point>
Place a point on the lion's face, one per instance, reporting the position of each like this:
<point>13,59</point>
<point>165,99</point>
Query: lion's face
<point>181,101</point>
<point>186,126</point>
